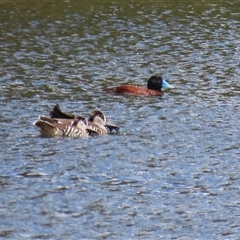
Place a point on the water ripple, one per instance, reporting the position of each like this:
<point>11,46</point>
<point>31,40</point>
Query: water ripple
<point>172,171</point>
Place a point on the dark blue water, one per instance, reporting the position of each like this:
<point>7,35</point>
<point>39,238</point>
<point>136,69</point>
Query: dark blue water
<point>173,170</point>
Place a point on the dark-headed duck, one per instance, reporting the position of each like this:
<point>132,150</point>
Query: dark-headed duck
<point>154,87</point>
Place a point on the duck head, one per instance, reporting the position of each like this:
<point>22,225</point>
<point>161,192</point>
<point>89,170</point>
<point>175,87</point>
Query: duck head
<point>80,122</point>
<point>157,83</point>
<point>97,117</point>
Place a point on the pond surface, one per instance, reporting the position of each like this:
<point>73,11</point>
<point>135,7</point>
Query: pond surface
<point>172,172</point>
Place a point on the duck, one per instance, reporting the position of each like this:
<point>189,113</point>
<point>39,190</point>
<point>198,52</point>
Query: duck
<point>74,128</point>
<point>96,123</point>
<point>154,87</point>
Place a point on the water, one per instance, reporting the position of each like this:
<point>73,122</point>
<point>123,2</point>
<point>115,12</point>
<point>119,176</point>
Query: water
<point>173,170</point>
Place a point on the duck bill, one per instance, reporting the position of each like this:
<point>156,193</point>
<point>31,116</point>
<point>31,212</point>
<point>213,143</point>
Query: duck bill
<point>165,84</point>
<point>111,126</point>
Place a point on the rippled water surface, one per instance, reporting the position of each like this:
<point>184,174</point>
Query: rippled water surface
<point>173,170</point>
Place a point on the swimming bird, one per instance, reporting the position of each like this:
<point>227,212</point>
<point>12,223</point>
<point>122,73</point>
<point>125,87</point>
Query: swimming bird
<point>154,87</point>
<point>74,128</point>
<point>97,121</point>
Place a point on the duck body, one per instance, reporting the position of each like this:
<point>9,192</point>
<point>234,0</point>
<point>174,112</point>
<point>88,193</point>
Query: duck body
<point>135,90</point>
<point>69,125</point>
<point>97,121</point>
<point>154,88</point>
<point>53,127</point>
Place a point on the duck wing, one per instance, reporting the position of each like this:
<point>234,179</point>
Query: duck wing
<point>57,113</point>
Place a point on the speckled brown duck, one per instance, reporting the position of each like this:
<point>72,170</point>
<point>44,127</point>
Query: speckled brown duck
<point>74,128</point>
<point>97,121</point>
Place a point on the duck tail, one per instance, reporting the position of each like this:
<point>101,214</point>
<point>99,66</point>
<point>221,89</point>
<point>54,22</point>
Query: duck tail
<point>47,127</point>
